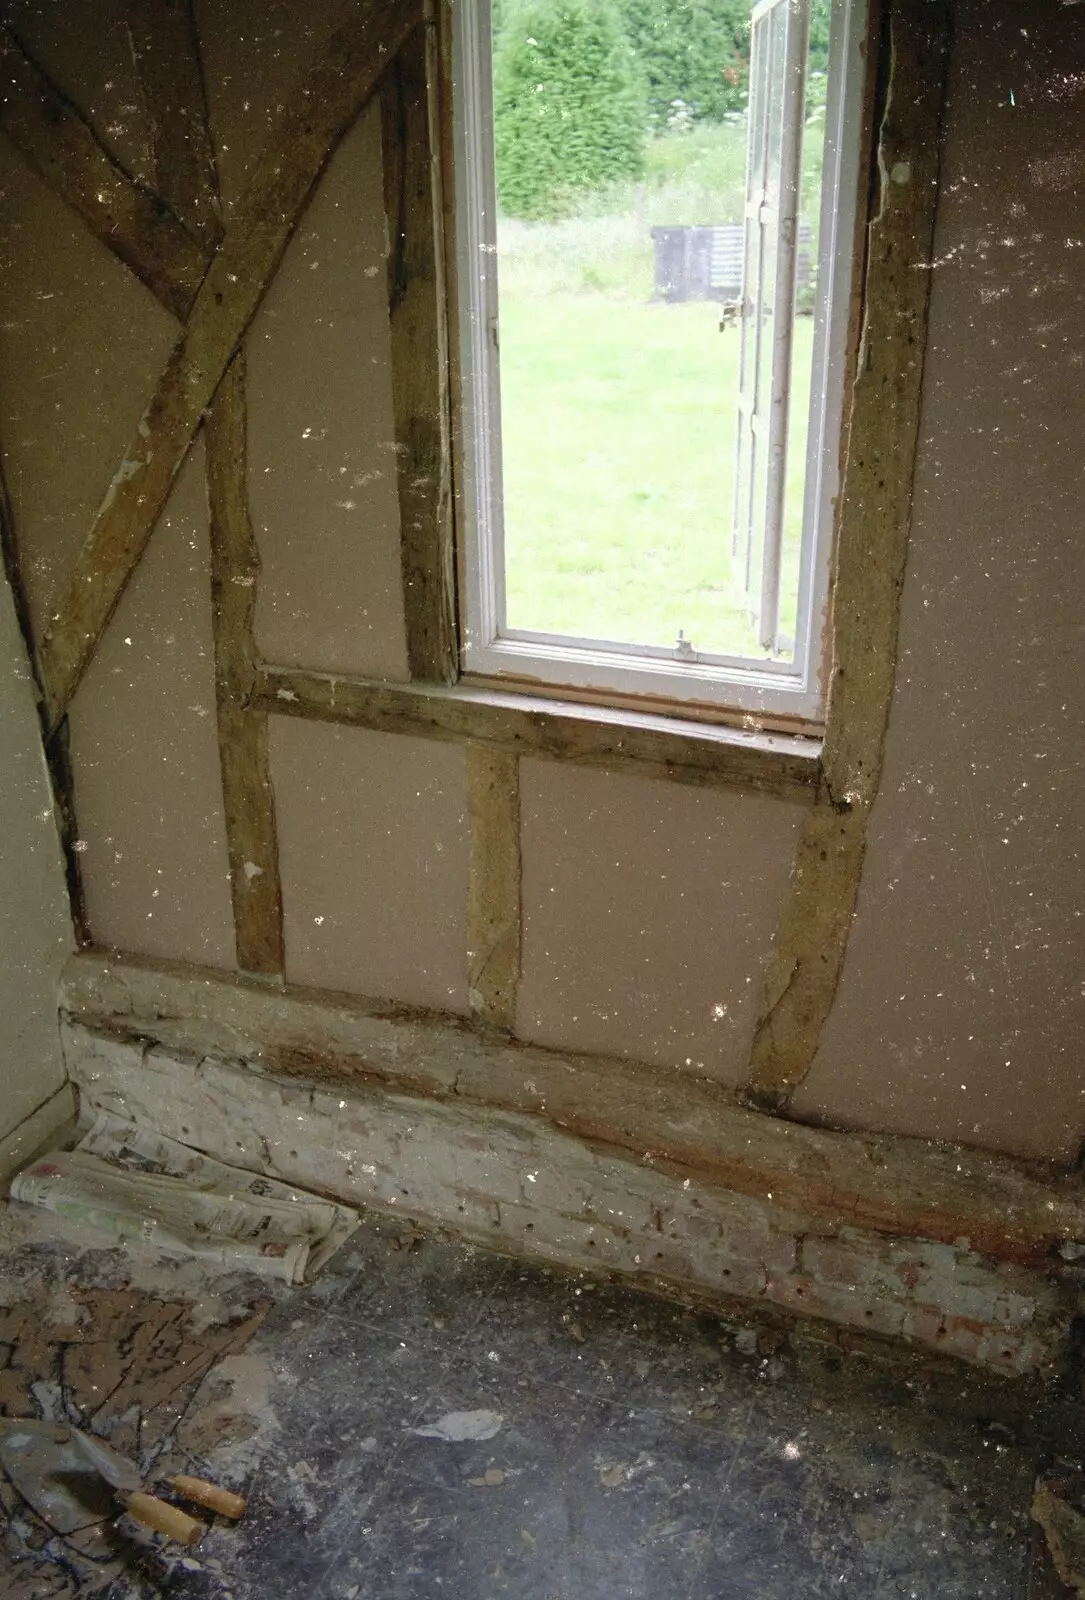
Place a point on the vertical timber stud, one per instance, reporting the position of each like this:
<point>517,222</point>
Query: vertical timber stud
<point>444,141</point>
<point>872,544</point>
<point>419,339</point>
<point>494,904</point>
<point>247,794</point>
<point>493,896</point>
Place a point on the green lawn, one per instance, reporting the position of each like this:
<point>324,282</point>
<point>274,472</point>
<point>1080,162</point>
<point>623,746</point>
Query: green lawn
<point>618,444</point>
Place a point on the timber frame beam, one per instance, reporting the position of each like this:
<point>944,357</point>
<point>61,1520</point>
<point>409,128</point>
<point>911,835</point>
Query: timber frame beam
<point>494,911</point>
<point>872,545</point>
<point>706,755</point>
<point>248,799</point>
<point>139,227</point>
<point>418,318</point>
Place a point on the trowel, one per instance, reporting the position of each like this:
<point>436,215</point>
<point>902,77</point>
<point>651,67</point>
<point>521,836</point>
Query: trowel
<point>74,1481</point>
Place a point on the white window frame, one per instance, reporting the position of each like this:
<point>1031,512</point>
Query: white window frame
<point>762,423</point>
<point>682,676</point>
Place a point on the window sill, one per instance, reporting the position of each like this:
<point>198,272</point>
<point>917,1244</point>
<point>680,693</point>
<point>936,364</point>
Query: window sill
<point>698,685</point>
<point>639,743</point>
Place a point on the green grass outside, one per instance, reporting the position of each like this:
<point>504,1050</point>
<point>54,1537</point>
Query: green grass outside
<point>618,414</point>
<point>618,449</point>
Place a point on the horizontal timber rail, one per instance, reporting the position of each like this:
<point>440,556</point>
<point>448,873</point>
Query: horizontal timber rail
<point>646,744</point>
<point>896,1186</point>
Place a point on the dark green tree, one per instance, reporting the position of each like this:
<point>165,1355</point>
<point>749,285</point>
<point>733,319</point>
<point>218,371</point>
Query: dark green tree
<point>693,55</point>
<point>569,108</point>
<point>820,12</point>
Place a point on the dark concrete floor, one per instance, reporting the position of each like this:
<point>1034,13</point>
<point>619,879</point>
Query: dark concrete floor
<point>644,1450</point>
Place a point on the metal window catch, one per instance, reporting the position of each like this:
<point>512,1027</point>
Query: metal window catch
<point>729,310</point>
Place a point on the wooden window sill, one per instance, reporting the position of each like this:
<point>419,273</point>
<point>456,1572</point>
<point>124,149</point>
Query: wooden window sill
<point>642,743</point>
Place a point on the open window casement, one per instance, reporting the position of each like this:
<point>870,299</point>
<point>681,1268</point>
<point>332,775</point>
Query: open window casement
<point>780,31</point>
<point>780,428</point>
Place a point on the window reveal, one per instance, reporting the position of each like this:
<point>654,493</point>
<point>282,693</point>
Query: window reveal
<point>650,474</point>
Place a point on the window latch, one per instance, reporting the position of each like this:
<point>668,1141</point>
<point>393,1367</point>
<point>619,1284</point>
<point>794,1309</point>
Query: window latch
<point>729,310</point>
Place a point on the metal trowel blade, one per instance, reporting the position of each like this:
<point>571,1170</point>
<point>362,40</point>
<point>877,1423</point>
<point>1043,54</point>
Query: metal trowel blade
<point>115,1469</point>
<point>53,1475</point>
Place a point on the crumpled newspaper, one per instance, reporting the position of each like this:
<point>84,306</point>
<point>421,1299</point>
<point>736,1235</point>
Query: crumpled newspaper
<point>139,1186</point>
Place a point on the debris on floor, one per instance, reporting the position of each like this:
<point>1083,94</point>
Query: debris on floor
<point>1064,1529</point>
<point>658,1456</point>
<point>146,1358</point>
<point>137,1184</point>
<point>457,1427</point>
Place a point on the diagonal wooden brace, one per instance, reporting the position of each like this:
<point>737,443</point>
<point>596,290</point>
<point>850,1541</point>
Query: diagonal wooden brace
<point>227,299</point>
<point>136,225</point>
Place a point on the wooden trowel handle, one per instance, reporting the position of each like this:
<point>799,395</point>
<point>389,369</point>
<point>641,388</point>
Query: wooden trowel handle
<point>163,1518</point>
<point>202,1493</point>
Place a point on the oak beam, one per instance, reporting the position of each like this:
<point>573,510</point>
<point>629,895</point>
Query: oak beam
<point>902,1187</point>
<point>248,798</point>
<point>639,744</point>
<point>872,545</point>
<point>419,343</point>
<point>166,49</point>
<point>493,894</point>
<point>57,755</point>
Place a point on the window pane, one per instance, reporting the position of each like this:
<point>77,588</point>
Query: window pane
<point>621,145</point>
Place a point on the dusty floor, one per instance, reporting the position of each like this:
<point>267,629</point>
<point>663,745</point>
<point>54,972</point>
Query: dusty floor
<point>644,1450</point>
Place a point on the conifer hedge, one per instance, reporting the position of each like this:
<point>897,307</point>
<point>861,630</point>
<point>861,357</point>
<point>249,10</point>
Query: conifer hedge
<point>569,107</point>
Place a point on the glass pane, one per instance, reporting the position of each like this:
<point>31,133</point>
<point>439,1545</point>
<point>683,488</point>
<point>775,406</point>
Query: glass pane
<point>774,111</point>
<point>620,132</point>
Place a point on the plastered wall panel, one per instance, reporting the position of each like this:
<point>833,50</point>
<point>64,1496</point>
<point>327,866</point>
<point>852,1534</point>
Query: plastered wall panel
<point>961,1011</point>
<point>148,792</point>
<point>649,910</point>
<point>35,926</point>
<point>255,53</point>
<point>322,460</point>
<point>82,344</point>
<point>373,853</point>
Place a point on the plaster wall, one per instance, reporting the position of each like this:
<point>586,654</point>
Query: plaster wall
<point>373,857</point>
<point>322,460</point>
<point>648,909</point>
<point>961,1012</point>
<point>81,346</point>
<point>35,925</point>
<point>144,744</point>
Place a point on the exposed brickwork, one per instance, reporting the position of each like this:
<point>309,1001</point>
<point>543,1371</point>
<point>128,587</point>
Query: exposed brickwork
<point>512,1180</point>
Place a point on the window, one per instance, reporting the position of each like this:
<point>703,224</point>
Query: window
<point>655,231</point>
